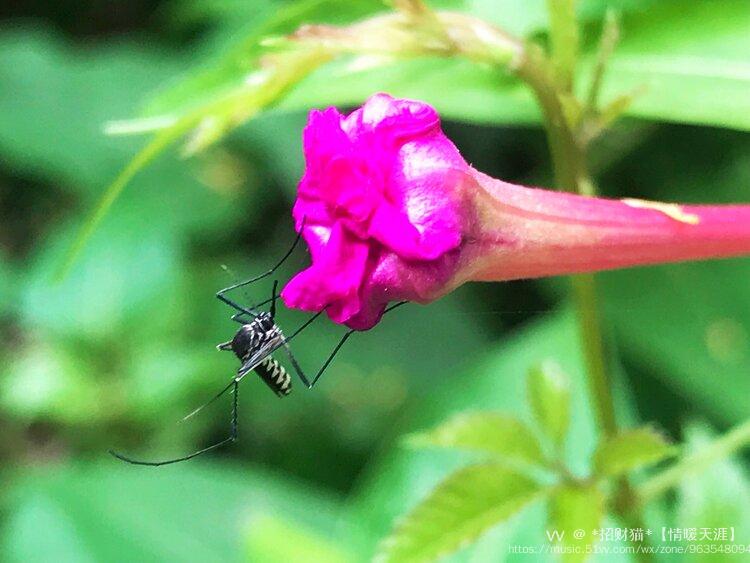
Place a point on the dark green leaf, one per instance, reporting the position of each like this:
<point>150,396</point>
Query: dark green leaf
<point>688,325</point>
<point>687,331</point>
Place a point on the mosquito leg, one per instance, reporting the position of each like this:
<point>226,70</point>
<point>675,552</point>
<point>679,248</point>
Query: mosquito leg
<point>344,338</point>
<point>236,306</point>
<point>232,438</point>
<point>273,298</point>
<point>341,343</point>
<point>221,293</point>
<point>330,357</point>
<point>238,316</point>
<point>214,398</point>
<point>307,323</point>
<point>288,349</point>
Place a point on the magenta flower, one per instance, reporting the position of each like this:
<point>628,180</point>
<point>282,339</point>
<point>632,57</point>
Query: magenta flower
<point>392,212</point>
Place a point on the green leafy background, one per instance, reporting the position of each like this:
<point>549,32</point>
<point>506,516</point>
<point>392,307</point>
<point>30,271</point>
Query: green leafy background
<point>115,354</point>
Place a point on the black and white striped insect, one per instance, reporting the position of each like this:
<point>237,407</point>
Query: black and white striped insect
<point>253,344</point>
<point>250,343</point>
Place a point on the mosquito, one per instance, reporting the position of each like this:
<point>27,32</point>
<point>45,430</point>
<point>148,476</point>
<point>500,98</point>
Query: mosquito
<point>254,344</point>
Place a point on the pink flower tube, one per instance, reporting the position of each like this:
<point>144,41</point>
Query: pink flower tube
<point>391,212</point>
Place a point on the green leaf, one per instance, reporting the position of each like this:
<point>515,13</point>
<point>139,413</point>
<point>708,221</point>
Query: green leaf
<point>228,67</point>
<point>401,477</point>
<point>209,122</point>
<point>477,94</point>
<point>697,339</point>
<point>216,102</point>
<point>467,91</point>
<point>47,82</point>
<point>576,507</point>
<point>693,63</point>
<point>690,65</point>
<point>629,450</point>
<point>459,510</point>
<point>493,433</point>
<point>549,396</point>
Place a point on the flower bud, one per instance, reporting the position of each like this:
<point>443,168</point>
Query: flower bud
<point>392,212</point>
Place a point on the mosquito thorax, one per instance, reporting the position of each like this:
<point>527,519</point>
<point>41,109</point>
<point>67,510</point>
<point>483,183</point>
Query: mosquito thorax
<point>251,335</point>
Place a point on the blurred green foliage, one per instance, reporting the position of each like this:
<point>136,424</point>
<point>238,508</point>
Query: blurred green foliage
<point>119,351</point>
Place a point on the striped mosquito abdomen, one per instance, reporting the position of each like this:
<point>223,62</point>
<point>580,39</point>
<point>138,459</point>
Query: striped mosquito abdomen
<point>275,376</point>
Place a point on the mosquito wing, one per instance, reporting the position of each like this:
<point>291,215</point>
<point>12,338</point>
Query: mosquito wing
<point>259,355</point>
<point>252,362</point>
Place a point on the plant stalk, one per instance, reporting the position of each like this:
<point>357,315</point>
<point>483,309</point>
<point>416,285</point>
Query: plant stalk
<point>551,80</point>
<point>589,326</point>
<point>721,448</point>
<point>564,38</point>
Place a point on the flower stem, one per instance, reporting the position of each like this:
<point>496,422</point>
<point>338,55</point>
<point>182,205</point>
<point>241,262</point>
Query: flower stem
<point>552,80</point>
<point>564,36</point>
<point>589,323</point>
<point>721,448</point>
<point>571,174</point>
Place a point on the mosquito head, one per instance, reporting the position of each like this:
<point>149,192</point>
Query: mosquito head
<point>264,322</point>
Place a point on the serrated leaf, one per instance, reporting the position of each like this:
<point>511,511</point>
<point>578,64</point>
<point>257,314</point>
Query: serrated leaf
<point>397,480</point>
<point>574,508</point>
<point>459,510</point>
<point>630,450</point>
<point>488,432</point>
<point>549,397</point>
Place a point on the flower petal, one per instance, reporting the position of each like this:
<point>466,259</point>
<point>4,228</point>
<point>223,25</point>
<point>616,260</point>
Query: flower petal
<point>334,278</point>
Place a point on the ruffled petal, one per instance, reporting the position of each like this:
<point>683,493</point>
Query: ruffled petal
<point>390,117</point>
<point>393,229</point>
<point>334,278</point>
<point>381,186</point>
